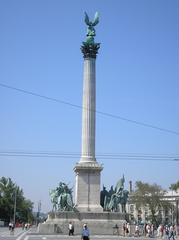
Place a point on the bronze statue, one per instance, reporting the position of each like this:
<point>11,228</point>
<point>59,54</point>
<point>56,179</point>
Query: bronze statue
<point>61,198</point>
<point>54,199</point>
<point>65,202</point>
<point>110,201</point>
<point>90,30</point>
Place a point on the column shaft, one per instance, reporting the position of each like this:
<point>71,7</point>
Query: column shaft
<point>89,108</point>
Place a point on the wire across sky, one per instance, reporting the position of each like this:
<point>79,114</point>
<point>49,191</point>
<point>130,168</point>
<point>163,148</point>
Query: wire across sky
<point>117,156</point>
<point>98,112</point>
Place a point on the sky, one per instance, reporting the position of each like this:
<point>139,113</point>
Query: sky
<point>137,83</point>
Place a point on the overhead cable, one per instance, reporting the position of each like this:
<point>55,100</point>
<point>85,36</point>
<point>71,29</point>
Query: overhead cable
<point>98,112</point>
<point>134,157</point>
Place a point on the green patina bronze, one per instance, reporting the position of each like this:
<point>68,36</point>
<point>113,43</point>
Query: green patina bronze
<point>61,198</point>
<point>115,198</point>
<point>91,33</point>
<point>89,47</point>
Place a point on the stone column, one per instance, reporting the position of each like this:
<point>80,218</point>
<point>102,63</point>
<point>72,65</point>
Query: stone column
<point>89,108</point>
<point>87,192</point>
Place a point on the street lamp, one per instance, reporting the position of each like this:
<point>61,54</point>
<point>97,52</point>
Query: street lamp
<point>177,200</point>
<point>15,200</point>
<point>38,212</point>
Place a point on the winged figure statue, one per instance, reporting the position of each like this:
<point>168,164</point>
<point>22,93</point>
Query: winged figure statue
<point>90,30</point>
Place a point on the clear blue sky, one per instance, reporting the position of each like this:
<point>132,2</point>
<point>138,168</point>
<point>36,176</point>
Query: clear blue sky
<point>137,78</point>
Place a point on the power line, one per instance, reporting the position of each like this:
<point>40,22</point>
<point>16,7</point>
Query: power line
<point>143,157</point>
<point>99,112</point>
<point>39,95</point>
<point>98,154</point>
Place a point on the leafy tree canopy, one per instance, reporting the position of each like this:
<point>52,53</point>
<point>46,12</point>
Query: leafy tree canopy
<point>174,186</point>
<point>10,196</point>
<point>150,195</point>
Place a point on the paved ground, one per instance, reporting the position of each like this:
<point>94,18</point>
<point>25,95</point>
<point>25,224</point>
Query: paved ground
<point>4,231</point>
<point>17,234</point>
<point>65,237</point>
<point>31,234</point>
<point>78,237</point>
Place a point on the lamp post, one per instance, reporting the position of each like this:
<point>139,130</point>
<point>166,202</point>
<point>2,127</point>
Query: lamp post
<point>38,212</point>
<point>177,200</point>
<point>15,201</point>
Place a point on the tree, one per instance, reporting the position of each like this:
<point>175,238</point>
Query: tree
<point>12,198</point>
<point>174,186</point>
<point>151,196</point>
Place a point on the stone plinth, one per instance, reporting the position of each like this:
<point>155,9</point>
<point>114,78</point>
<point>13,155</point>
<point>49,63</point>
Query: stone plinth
<point>98,223</point>
<point>87,198</point>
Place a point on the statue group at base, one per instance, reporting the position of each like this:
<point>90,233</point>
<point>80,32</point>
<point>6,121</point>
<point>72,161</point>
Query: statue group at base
<point>114,200</point>
<point>61,198</point>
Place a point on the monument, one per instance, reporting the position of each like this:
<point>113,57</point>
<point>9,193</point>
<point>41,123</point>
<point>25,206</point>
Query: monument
<point>87,193</point>
<point>91,206</point>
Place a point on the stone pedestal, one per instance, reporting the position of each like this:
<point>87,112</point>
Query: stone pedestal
<point>98,223</point>
<point>87,198</point>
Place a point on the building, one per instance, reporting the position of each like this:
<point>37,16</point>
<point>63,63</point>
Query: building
<point>168,215</point>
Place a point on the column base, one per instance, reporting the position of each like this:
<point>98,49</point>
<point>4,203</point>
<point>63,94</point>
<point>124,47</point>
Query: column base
<point>87,159</point>
<point>88,166</point>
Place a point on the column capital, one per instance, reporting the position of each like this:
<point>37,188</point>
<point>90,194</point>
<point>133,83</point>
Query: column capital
<point>90,50</point>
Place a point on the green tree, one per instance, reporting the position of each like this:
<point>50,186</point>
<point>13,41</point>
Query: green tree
<point>174,186</point>
<point>151,196</point>
<point>10,194</point>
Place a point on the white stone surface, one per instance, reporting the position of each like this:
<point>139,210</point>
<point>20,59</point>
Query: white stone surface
<point>89,108</point>
<point>87,197</point>
<point>87,191</point>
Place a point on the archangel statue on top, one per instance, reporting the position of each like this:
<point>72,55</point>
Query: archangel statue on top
<point>89,48</point>
<point>91,33</point>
